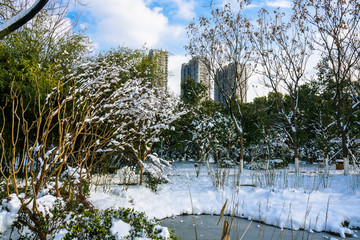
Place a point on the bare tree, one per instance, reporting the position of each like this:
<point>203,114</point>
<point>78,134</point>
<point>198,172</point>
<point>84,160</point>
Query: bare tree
<point>283,54</point>
<point>222,42</point>
<point>337,32</point>
<point>22,18</point>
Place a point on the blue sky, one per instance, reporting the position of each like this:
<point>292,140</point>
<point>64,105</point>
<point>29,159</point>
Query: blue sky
<point>154,24</point>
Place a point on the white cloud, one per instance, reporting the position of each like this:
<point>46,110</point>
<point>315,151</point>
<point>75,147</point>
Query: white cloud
<point>186,9</point>
<point>126,22</point>
<point>175,63</point>
<point>253,6</point>
<point>180,9</point>
<point>279,3</point>
<point>133,23</point>
<point>235,6</point>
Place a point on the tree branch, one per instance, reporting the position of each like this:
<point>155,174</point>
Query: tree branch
<point>22,18</point>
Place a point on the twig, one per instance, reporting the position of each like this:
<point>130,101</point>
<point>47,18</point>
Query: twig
<point>192,207</point>
<point>247,228</point>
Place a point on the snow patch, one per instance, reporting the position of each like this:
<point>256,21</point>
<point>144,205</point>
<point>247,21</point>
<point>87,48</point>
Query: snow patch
<point>8,212</point>
<point>120,229</point>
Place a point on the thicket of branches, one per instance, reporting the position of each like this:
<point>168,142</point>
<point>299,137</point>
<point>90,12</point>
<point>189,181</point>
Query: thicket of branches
<point>99,113</point>
<point>278,46</point>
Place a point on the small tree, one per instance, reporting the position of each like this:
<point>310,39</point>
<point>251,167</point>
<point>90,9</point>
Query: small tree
<point>320,115</point>
<point>193,92</point>
<point>261,131</point>
<point>221,40</point>
<point>211,133</point>
<point>283,51</point>
<point>34,57</point>
<point>126,102</point>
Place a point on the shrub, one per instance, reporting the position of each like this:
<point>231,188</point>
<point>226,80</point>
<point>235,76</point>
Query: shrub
<point>97,224</point>
<point>261,165</point>
<point>76,218</point>
<point>153,182</point>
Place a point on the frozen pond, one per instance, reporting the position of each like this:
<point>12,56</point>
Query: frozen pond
<point>207,229</point>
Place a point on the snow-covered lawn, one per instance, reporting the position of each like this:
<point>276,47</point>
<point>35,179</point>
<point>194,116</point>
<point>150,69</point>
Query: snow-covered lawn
<point>296,202</point>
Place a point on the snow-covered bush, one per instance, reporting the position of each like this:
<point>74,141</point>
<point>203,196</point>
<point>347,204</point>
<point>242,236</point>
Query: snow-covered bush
<point>74,219</point>
<point>126,102</point>
<point>154,170</point>
<point>274,145</point>
<point>211,133</point>
<point>122,223</point>
<point>203,132</point>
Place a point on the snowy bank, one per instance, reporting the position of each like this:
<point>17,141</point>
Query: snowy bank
<point>296,208</point>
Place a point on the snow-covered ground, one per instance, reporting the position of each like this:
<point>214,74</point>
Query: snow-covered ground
<point>299,202</point>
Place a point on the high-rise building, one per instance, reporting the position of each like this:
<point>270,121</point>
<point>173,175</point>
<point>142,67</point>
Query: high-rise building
<point>160,61</point>
<point>197,70</point>
<point>231,77</point>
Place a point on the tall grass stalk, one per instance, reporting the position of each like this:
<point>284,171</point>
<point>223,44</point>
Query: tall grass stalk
<point>263,226</point>
<point>327,214</point>
<point>307,212</point>
<point>219,177</point>
<point>235,226</point>
<point>192,207</point>
<point>283,179</point>
<point>231,226</point>
<point>247,228</point>
<point>278,220</point>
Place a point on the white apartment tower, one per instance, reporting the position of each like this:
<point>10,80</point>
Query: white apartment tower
<point>197,70</point>
<point>230,78</point>
<point>160,61</point>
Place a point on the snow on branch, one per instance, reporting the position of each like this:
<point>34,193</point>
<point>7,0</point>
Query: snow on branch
<point>22,18</point>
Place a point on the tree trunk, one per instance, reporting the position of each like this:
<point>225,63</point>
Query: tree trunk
<point>297,168</point>
<point>141,174</point>
<point>42,235</point>
<point>168,150</point>
<point>267,154</point>
<point>58,194</point>
<point>241,166</point>
<point>326,161</point>
<point>296,154</point>
<point>345,151</point>
<point>346,166</point>
<point>268,164</point>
